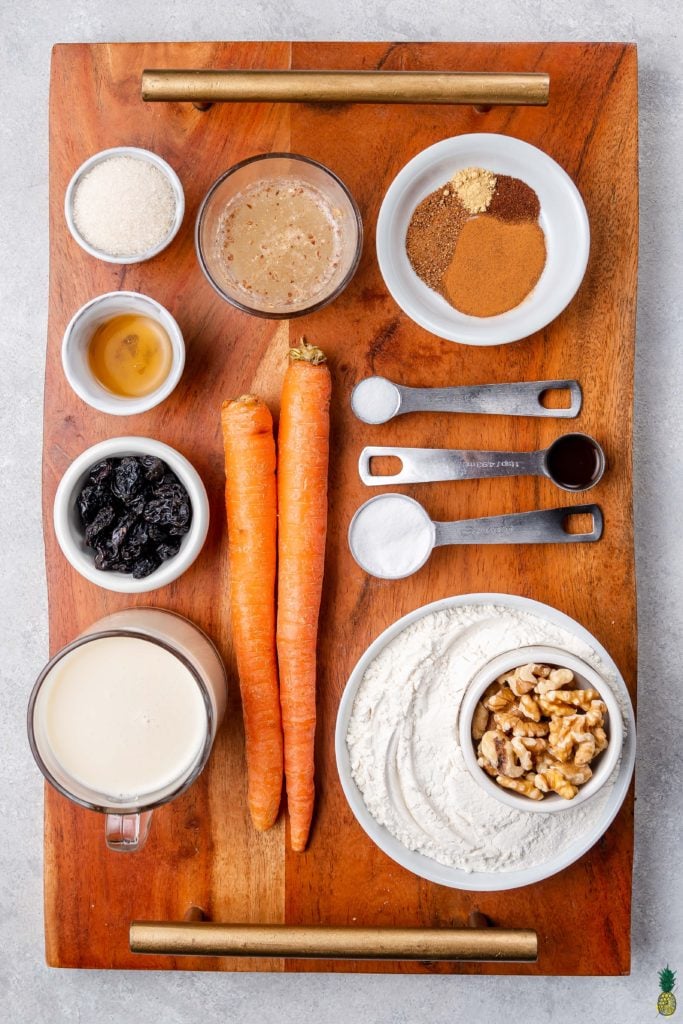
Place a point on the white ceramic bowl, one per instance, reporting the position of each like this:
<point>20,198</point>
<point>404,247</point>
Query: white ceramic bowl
<point>70,533</point>
<point>563,219</point>
<point>585,678</point>
<point>77,337</point>
<point>457,878</point>
<point>142,154</point>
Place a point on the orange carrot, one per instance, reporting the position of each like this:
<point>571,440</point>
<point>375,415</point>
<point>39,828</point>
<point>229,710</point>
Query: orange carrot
<point>251,505</point>
<point>303,450</point>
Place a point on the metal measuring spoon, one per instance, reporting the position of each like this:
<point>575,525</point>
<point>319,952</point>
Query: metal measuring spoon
<point>574,462</point>
<point>377,400</point>
<point>391,536</point>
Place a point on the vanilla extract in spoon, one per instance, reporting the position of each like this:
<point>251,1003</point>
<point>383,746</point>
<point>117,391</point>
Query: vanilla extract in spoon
<point>575,462</point>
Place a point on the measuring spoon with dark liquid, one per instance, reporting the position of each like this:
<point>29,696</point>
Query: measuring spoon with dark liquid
<point>574,462</point>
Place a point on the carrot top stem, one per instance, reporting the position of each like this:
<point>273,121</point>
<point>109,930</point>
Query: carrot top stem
<point>306,353</point>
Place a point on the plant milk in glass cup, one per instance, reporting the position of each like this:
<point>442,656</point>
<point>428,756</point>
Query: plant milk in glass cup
<point>123,719</point>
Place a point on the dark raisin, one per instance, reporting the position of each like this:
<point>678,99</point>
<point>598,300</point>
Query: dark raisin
<point>135,543</point>
<point>153,468</point>
<point>102,471</point>
<point>171,509</point>
<point>104,518</point>
<point>156,533</point>
<point>182,522</point>
<point>169,549</point>
<point>144,566</point>
<point>137,505</point>
<point>169,482</point>
<point>120,532</point>
<point>103,559</point>
<point>91,499</point>
<point>128,479</point>
<point>106,558</point>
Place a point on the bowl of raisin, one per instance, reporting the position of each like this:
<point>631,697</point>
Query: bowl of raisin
<point>131,514</point>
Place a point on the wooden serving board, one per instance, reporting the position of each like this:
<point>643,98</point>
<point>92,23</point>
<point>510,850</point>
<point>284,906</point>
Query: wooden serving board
<point>202,848</point>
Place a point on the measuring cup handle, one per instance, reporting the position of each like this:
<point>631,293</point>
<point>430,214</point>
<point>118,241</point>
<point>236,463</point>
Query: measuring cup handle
<point>520,399</point>
<point>127,833</point>
<point>425,465</point>
<point>546,527</point>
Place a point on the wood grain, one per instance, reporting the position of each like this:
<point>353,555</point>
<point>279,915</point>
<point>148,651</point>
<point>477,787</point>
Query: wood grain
<point>202,848</point>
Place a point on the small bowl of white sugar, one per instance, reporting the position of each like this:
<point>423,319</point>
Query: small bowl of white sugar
<point>124,205</point>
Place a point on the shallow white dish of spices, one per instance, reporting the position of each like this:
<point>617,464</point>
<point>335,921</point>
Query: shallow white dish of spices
<point>124,205</point>
<point>401,765</point>
<point>563,219</point>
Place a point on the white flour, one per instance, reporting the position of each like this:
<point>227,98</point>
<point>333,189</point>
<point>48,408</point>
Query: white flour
<point>404,749</point>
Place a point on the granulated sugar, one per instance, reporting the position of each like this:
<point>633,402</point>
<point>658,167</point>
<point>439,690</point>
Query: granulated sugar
<point>124,206</point>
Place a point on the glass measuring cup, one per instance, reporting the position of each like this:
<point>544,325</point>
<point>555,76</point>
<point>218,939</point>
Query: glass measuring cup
<point>74,759</point>
<point>391,536</point>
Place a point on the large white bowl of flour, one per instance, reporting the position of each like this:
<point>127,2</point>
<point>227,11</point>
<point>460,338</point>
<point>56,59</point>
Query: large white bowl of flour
<point>401,765</point>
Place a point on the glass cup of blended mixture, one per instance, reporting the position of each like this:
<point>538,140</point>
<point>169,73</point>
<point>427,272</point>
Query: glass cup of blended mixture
<point>279,235</point>
<point>123,719</point>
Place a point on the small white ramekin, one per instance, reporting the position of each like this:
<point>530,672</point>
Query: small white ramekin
<point>140,154</point>
<point>585,678</point>
<point>78,335</point>
<point>70,533</point>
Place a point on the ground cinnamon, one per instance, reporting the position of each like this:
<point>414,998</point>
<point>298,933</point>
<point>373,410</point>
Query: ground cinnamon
<point>495,265</point>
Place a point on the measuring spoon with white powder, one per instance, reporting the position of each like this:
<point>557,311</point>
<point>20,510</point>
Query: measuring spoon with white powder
<point>391,536</point>
<point>378,400</point>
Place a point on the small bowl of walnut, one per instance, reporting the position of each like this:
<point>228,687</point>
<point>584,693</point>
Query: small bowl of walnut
<point>540,729</point>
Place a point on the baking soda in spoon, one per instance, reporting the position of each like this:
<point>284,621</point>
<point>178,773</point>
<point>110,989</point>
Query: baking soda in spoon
<point>391,536</point>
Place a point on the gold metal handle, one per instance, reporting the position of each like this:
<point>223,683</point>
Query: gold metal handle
<point>206,938</point>
<point>484,89</point>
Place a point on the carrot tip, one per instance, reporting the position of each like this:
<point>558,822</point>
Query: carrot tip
<point>263,826</point>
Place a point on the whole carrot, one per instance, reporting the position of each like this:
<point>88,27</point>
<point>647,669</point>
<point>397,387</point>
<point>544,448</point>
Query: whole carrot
<point>251,505</point>
<point>303,452</point>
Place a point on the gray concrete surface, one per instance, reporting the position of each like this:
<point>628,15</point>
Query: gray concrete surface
<point>28,990</point>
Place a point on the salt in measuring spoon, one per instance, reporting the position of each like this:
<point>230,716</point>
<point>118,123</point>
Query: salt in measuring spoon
<point>574,462</point>
<point>391,536</point>
<point>377,400</point>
